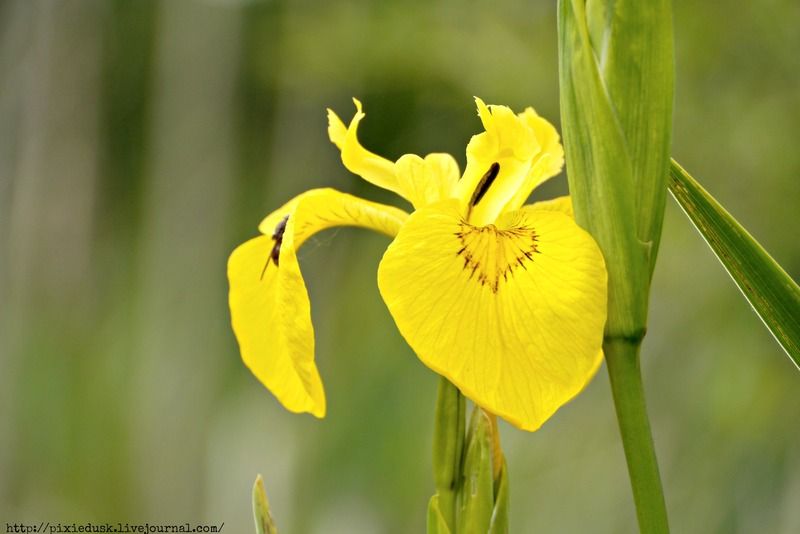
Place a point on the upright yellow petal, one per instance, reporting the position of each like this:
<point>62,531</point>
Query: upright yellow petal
<point>512,313</point>
<point>270,311</point>
<point>357,159</point>
<point>551,153</point>
<point>547,163</point>
<point>429,180</point>
<point>505,163</point>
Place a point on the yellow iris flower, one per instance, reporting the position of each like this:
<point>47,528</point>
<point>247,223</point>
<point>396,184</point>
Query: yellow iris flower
<point>506,300</point>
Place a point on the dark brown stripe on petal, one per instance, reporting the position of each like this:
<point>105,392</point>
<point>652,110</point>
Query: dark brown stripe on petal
<point>485,183</point>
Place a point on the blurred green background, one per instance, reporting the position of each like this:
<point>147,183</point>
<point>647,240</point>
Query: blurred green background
<point>141,141</point>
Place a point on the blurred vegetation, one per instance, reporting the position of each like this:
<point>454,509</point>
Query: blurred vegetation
<point>141,141</point>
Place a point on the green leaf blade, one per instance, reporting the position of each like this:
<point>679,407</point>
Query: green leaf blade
<point>771,292</point>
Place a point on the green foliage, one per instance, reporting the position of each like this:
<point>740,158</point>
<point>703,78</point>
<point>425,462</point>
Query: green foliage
<point>261,513</point>
<point>616,74</point>
<point>436,521</point>
<point>476,491</point>
<point>616,105</point>
<point>632,42</point>
<point>771,292</point>
<point>448,447</point>
<point>499,523</point>
<point>600,171</point>
<point>469,470</point>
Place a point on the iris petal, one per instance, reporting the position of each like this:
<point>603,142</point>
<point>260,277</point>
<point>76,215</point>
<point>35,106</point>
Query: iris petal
<point>429,180</point>
<point>547,163</point>
<point>512,313</point>
<point>371,167</point>
<point>559,204</point>
<point>270,310</point>
<point>524,149</point>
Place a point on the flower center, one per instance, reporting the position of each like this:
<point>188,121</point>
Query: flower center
<point>491,255</point>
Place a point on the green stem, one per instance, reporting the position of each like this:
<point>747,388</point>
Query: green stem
<point>622,357</point>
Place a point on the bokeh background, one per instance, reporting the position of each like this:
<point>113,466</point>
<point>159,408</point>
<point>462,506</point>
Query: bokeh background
<point>141,141</point>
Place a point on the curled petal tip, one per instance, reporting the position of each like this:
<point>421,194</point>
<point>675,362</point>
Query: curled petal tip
<point>337,131</point>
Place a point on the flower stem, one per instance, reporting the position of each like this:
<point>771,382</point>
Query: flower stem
<point>622,357</point>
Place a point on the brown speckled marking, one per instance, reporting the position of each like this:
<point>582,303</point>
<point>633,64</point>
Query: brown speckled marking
<point>524,238</point>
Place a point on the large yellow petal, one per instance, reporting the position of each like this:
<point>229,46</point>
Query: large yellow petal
<point>512,313</point>
<point>559,204</point>
<point>504,164</point>
<point>373,168</point>
<point>270,310</point>
<point>427,181</point>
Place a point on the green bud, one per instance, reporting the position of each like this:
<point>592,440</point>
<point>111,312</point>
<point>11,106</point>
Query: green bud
<point>616,73</point>
<point>261,513</point>
<point>448,446</point>
<point>476,494</point>
<point>499,523</point>
<point>436,521</point>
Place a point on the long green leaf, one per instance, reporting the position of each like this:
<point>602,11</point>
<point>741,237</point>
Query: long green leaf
<point>771,292</point>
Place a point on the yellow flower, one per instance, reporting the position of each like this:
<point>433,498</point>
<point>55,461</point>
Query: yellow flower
<point>506,300</point>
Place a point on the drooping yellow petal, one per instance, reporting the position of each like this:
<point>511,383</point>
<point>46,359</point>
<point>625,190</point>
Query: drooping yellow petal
<point>505,163</point>
<point>373,168</point>
<point>512,313</point>
<point>429,180</point>
<point>270,310</point>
